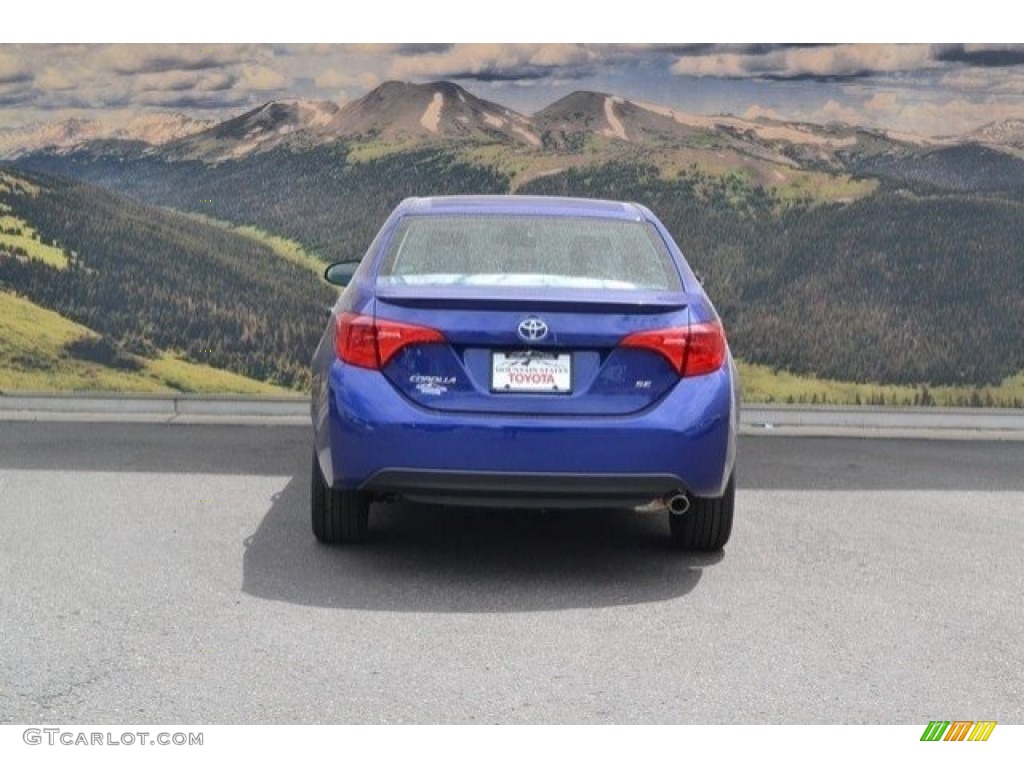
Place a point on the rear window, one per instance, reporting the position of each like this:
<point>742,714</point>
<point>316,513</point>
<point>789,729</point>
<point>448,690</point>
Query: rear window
<point>562,252</point>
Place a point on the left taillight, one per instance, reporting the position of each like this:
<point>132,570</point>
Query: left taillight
<point>691,350</point>
<point>371,343</point>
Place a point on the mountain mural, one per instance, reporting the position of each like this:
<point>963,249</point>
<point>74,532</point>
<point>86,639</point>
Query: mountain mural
<point>831,250</point>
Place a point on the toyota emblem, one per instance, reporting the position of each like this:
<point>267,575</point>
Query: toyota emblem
<point>533,329</point>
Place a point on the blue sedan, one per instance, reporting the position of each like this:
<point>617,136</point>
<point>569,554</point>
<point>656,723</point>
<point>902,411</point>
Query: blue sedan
<point>524,352</point>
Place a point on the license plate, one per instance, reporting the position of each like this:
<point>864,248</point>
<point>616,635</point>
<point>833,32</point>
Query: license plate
<point>531,371</point>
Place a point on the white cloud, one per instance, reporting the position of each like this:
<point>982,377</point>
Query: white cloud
<point>985,80</point>
<point>952,117</point>
<point>501,61</point>
<point>257,77</point>
<point>13,69</point>
<point>53,79</point>
<point>922,114</point>
<point>833,111</point>
<point>833,61</point>
<point>754,111</point>
<point>136,59</point>
<point>714,65</point>
<point>332,79</point>
<point>882,102</point>
<point>177,80</point>
<point>846,60</point>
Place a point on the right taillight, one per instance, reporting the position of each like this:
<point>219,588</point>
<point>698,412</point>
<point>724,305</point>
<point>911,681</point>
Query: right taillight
<point>691,350</point>
<point>370,342</point>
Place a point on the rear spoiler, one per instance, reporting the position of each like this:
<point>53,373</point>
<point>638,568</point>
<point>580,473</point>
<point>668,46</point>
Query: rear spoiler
<point>509,297</point>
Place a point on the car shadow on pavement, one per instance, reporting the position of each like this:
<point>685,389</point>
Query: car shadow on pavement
<point>441,559</point>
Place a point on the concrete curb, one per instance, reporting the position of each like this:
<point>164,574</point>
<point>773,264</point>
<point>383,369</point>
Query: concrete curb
<point>782,420</point>
<point>170,409</point>
<point>871,417</point>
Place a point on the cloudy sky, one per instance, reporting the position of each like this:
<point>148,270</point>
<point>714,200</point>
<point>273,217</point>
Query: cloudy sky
<point>920,87</point>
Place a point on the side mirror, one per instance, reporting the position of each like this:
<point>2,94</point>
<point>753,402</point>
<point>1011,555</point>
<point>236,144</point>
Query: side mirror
<point>341,273</point>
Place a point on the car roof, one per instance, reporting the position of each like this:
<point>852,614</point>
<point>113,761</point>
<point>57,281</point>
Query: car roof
<point>523,205</point>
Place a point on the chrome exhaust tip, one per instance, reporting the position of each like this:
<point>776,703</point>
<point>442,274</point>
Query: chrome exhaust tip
<point>677,503</point>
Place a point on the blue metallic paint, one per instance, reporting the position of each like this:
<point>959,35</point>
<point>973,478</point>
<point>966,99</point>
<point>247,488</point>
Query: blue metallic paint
<point>362,424</point>
<point>690,433</point>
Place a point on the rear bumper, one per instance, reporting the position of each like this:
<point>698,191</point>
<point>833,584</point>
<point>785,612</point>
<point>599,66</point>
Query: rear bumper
<point>521,489</point>
<point>369,436</point>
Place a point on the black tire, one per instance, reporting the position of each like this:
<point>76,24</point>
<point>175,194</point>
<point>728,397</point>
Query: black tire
<point>706,526</point>
<point>339,517</point>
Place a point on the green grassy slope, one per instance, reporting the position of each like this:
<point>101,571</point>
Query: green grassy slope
<point>286,248</point>
<point>36,356</point>
<point>162,285</point>
<point>762,384</point>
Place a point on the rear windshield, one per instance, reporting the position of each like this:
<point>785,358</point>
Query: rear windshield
<point>562,252</point>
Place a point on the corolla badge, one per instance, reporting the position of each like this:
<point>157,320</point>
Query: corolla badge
<point>533,329</point>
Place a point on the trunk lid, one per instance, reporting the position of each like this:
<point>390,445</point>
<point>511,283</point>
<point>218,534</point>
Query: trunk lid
<point>512,350</point>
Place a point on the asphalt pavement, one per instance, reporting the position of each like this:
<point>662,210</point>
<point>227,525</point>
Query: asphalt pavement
<point>155,573</point>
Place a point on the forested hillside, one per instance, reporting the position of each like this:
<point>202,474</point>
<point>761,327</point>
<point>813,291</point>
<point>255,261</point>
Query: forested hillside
<point>153,280</point>
<point>965,168</point>
<point>918,287</point>
<point>320,198</point>
<point>893,288</point>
